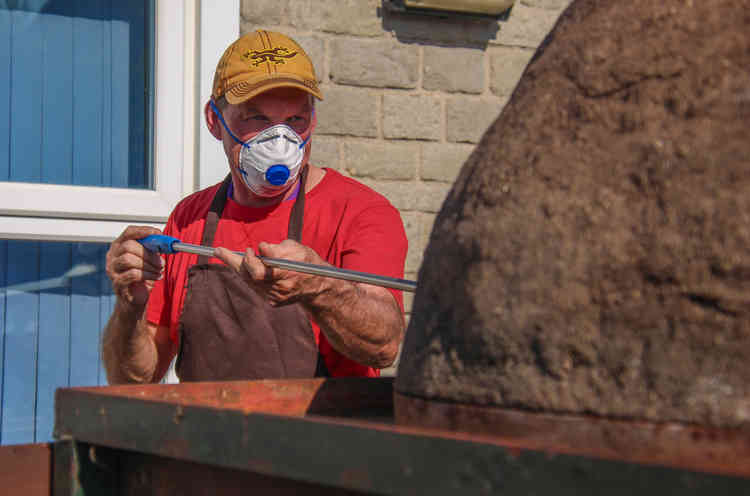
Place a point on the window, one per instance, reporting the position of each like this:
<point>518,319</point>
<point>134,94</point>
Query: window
<point>95,134</point>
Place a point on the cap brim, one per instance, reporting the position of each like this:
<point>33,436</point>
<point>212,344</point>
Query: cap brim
<point>243,91</point>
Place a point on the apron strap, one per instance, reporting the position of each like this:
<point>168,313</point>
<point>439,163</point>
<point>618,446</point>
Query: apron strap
<point>294,231</point>
<point>213,216</point>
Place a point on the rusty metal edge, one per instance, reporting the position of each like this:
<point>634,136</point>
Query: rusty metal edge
<point>332,396</point>
<point>359,455</point>
<point>690,447</point>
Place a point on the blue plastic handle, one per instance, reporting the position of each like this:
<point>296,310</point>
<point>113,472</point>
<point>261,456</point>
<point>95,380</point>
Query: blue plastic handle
<point>159,243</point>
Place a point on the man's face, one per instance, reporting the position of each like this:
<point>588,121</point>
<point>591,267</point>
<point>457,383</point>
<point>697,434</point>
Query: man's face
<point>288,106</point>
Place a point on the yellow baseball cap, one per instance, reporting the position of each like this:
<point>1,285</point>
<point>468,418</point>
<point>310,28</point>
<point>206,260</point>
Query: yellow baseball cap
<point>261,61</point>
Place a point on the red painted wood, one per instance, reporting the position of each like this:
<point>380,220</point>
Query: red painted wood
<point>26,469</point>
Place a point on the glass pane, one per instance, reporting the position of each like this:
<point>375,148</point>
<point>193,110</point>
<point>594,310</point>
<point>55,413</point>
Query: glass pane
<point>75,79</point>
<point>55,298</point>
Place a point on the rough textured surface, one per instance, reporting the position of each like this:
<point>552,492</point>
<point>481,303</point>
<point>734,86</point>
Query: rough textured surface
<point>593,255</point>
<point>375,63</point>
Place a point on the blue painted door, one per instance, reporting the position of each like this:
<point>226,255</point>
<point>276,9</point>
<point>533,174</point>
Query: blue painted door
<point>74,94</point>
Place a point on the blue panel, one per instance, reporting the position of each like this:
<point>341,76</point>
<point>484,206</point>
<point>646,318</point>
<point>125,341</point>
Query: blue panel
<point>107,117</point>
<point>107,301</point>
<point>85,317</point>
<point>135,16</point>
<point>75,75</point>
<point>54,333</point>
<point>88,74</point>
<point>5,73</point>
<point>57,127</point>
<point>26,96</point>
<point>3,278</point>
<point>22,303</point>
<point>121,97</point>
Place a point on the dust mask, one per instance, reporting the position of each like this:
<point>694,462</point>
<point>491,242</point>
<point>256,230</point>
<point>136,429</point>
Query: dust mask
<point>270,161</point>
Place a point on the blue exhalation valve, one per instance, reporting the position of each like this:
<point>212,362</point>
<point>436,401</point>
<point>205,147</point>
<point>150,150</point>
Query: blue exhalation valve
<point>277,174</point>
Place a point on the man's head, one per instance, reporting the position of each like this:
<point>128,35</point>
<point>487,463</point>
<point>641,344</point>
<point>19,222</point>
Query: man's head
<point>264,79</point>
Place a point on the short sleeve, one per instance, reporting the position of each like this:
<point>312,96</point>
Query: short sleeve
<point>375,242</point>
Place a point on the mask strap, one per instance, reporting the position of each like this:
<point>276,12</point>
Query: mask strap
<point>312,116</point>
<point>221,118</point>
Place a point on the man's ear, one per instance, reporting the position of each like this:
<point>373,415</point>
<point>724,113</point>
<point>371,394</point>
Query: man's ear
<point>212,121</point>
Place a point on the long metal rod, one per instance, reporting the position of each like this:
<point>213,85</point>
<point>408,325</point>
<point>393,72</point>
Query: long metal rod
<point>317,270</point>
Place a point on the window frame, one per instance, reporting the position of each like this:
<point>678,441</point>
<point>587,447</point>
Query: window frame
<point>50,212</point>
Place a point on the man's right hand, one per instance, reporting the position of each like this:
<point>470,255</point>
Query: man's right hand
<point>131,267</point>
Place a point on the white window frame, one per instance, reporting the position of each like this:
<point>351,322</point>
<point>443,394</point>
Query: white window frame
<point>52,212</point>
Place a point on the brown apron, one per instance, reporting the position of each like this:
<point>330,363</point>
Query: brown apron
<point>228,332</point>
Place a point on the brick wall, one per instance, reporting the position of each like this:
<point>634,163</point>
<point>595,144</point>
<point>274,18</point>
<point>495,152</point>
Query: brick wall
<point>406,97</point>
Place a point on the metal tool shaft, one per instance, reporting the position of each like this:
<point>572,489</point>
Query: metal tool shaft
<point>317,270</point>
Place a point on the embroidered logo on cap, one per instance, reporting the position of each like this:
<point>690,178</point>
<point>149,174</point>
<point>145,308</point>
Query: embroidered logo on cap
<point>275,55</point>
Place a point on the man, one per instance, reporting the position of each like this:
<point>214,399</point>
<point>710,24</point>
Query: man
<point>231,317</point>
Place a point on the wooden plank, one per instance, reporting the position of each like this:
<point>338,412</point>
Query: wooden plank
<point>125,117</point>
<point>26,97</point>
<point>26,470</point>
<point>121,95</point>
<point>5,97</point>
<point>139,64</point>
<point>106,305</point>
<point>88,95</point>
<point>57,127</point>
<point>3,325</point>
<point>105,11</point>
<point>54,335</point>
<point>21,333</point>
<point>85,319</point>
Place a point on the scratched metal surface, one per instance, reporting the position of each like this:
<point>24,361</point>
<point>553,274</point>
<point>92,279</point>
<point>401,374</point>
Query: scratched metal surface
<point>197,423</point>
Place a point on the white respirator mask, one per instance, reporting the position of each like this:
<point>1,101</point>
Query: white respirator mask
<point>270,161</point>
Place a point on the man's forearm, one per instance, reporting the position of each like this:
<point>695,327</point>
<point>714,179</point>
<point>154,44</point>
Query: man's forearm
<point>128,349</point>
<point>360,321</point>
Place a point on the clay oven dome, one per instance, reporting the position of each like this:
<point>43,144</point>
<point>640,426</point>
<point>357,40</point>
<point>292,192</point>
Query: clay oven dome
<point>593,256</point>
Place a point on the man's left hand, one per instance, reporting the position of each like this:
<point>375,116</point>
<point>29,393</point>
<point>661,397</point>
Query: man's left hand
<point>277,286</point>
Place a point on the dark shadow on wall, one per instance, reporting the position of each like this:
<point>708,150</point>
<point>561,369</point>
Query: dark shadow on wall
<point>439,28</point>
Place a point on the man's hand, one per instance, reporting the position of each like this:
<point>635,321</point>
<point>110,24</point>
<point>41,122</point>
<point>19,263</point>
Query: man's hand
<point>278,286</point>
<point>131,267</point>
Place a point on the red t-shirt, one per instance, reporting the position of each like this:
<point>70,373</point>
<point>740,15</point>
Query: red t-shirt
<point>348,224</point>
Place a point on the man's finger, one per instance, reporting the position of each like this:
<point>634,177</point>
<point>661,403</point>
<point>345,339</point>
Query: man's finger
<point>129,260</point>
<point>258,270</point>
<point>286,249</point>
<point>230,258</point>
